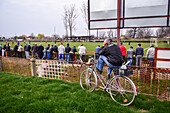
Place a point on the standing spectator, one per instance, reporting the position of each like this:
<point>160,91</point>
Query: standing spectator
<point>34,50</point>
<point>49,52</point>
<point>151,54</point>
<point>8,50</point>
<point>40,51</point>
<point>20,51</point>
<point>47,47</point>
<point>55,48</point>
<point>45,54</point>
<point>3,50</point>
<point>97,52</point>
<point>45,51</point>
<point>18,43</point>
<point>130,53</point>
<point>67,49</point>
<point>139,54</point>
<point>24,50</point>
<point>123,50</point>
<point>82,51</point>
<point>61,50</point>
<point>27,51</point>
<point>15,50</point>
<point>72,53</point>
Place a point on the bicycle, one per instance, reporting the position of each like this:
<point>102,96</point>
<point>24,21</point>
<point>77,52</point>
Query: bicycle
<point>121,88</point>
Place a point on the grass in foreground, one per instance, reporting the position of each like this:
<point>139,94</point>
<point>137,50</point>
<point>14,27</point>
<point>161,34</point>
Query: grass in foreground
<point>30,94</point>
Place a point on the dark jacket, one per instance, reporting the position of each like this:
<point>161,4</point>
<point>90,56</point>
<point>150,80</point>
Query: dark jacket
<point>28,48</point>
<point>35,48</point>
<point>139,51</point>
<point>73,49</point>
<point>67,49</point>
<point>47,47</point>
<point>25,47</point>
<point>51,50</point>
<point>113,54</point>
<point>55,48</point>
<point>4,47</point>
<point>7,48</point>
<point>40,49</point>
<point>15,48</point>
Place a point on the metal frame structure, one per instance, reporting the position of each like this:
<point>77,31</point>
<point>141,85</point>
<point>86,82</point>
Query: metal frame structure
<point>121,7</point>
<point>157,58</point>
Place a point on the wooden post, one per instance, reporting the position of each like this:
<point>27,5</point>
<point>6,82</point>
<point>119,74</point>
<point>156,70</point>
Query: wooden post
<point>33,67</point>
<point>0,63</point>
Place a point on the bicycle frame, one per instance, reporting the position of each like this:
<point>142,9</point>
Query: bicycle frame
<point>104,82</point>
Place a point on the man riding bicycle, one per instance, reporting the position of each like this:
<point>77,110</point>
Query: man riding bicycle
<point>111,55</point>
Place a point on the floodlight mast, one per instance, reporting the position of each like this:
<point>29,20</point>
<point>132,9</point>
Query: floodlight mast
<point>118,21</point>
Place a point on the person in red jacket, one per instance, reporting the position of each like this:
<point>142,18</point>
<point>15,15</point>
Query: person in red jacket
<point>123,50</point>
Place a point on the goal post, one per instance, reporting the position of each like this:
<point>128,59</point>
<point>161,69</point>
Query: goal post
<point>154,41</point>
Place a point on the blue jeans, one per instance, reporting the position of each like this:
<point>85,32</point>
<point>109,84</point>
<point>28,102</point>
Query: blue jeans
<point>45,54</point>
<point>49,55</point>
<point>152,59</point>
<point>130,59</point>
<point>100,63</point>
<point>138,60</point>
<point>61,56</point>
<point>67,57</point>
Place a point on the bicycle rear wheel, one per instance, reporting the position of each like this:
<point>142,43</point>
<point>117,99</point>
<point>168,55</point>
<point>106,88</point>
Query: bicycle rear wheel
<point>122,90</point>
<point>88,80</point>
<point>77,64</point>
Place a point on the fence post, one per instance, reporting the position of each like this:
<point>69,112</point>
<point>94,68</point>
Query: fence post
<point>0,63</point>
<point>33,67</point>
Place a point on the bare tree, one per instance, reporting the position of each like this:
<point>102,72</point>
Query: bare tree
<point>131,33</point>
<point>162,32</point>
<point>102,34</point>
<point>72,16</point>
<point>110,34</point>
<point>65,20</point>
<point>144,33</point>
<point>84,11</point>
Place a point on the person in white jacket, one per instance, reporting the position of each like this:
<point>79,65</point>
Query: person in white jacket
<point>151,54</point>
<point>82,51</point>
<point>61,50</point>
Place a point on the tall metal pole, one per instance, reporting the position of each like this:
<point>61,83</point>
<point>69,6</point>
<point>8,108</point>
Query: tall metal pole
<point>169,40</point>
<point>118,21</point>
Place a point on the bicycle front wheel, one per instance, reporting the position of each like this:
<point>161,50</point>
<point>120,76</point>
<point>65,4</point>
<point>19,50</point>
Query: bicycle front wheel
<point>88,80</point>
<point>122,90</point>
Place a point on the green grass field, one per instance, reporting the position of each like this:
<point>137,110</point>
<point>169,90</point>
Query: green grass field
<point>20,94</point>
<point>89,45</point>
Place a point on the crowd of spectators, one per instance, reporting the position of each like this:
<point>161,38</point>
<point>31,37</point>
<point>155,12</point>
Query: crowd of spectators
<point>39,52</point>
<point>67,53</point>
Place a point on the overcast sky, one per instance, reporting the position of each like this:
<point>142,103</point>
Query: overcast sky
<point>18,17</point>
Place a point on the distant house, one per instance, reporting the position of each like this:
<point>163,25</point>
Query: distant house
<point>29,38</point>
<point>19,40</point>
